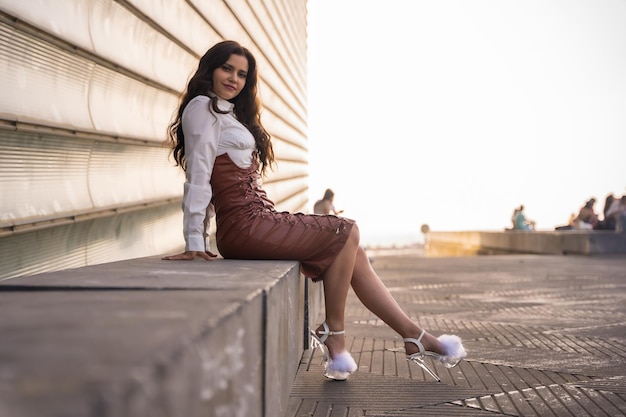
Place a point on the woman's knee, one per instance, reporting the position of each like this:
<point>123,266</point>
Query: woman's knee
<point>355,235</point>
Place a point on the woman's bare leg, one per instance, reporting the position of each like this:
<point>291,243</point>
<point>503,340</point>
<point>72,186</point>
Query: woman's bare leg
<point>374,295</point>
<point>352,267</point>
<point>336,285</point>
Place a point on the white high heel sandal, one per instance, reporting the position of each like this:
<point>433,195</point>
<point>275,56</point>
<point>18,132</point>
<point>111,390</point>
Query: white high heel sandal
<point>455,352</point>
<point>339,367</point>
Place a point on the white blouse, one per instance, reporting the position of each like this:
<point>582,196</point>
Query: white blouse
<point>207,135</point>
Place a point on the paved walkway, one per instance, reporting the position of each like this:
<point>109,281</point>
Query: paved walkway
<point>545,335</point>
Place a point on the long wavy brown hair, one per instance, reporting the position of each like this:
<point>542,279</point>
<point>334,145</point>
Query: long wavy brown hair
<point>247,104</point>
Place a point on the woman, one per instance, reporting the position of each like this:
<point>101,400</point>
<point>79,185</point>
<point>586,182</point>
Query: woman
<point>218,140</point>
<point>325,205</point>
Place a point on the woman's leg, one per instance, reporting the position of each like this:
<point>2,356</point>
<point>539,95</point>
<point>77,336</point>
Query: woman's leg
<point>336,285</point>
<point>352,267</point>
<point>374,295</point>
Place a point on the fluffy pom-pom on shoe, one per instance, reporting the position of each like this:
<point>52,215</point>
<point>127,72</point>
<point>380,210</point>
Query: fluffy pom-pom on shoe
<point>343,362</point>
<point>340,367</point>
<point>454,350</point>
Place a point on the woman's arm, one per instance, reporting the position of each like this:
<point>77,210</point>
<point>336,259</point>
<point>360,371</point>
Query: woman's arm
<point>201,129</point>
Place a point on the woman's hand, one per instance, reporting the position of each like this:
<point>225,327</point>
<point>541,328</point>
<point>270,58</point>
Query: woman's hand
<point>189,255</point>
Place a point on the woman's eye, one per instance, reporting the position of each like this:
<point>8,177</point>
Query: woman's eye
<point>243,75</point>
<point>226,68</point>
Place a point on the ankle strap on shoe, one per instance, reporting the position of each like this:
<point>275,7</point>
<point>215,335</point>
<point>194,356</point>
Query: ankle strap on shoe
<point>417,342</point>
<point>327,332</point>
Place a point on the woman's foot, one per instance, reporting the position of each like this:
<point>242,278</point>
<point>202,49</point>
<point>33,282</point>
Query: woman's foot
<point>446,349</point>
<point>339,364</point>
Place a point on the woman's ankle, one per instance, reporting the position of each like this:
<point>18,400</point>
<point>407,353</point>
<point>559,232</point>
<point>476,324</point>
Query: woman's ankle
<point>428,341</point>
<point>334,342</point>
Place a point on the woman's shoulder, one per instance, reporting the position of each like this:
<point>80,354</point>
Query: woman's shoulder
<point>202,98</point>
<point>199,105</point>
<point>199,100</point>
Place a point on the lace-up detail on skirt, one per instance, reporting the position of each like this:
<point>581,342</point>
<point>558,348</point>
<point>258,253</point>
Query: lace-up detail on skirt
<point>249,227</point>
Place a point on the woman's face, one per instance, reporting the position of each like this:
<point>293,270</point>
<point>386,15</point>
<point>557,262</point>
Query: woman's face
<point>230,78</point>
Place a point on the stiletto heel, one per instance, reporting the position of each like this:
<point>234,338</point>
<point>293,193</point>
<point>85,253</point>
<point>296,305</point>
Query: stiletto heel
<point>455,352</point>
<point>342,365</point>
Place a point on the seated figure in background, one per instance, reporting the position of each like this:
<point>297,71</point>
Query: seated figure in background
<point>616,214</point>
<point>587,218</point>
<point>325,205</point>
<point>608,220</point>
<point>520,222</point>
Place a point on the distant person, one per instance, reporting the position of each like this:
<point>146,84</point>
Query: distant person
<point>219,142</point>
<point>608,202</point>
<point>520,222</point>
<point>325,205</point>
<point>616,215</point>
<point>587,218</point>
<point>608,221</point>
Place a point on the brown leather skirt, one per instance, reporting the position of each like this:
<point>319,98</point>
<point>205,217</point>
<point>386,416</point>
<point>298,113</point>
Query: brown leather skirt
<point>248,226</point>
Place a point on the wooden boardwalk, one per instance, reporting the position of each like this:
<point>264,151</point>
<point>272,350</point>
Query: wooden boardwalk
<point>545,335</point>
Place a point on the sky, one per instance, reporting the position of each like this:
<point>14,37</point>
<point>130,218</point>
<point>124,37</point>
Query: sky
<point>451,113</point>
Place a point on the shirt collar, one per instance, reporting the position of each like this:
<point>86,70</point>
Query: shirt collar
<point>223,105</point>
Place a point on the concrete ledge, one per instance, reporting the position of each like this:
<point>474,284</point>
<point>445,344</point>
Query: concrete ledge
<point>578,242</point>
<point>151,337</point>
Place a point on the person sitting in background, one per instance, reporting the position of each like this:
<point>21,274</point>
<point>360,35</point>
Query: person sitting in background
<point>587,218</point>
<point>325,205</point>
<point>520,222</point>
<point>616,215</point>
<point>608,222</point>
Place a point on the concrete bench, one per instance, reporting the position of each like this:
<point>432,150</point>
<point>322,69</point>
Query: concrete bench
<point>146,337</point>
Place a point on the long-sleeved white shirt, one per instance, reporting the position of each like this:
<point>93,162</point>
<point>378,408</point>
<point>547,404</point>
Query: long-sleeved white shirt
<point>207,135</point>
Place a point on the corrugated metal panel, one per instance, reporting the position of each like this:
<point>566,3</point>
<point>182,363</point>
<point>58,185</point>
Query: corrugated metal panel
<point>42,175</point>
<point>295,203</point>
<point>65,19</point>
<point>291,152</point>
<point>179,20</point>
<point>123,174</point>
<point>45,83</point>
<point>127,235</point>
<point>88,88</point>
<point>290,19</point>
<point>100,27</point>
<point>284,130</point>
<point>124,106</point>
<point>39,80</point>
<point>134,235</point>
<point>287,169</point>
<point>273,102</point>
<point>146,51</point>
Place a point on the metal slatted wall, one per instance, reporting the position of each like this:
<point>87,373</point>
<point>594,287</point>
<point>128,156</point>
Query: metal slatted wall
<point>87,90</point>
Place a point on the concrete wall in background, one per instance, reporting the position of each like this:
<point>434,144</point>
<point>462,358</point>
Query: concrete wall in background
<point>87,90</point>
<point>567,242</point>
